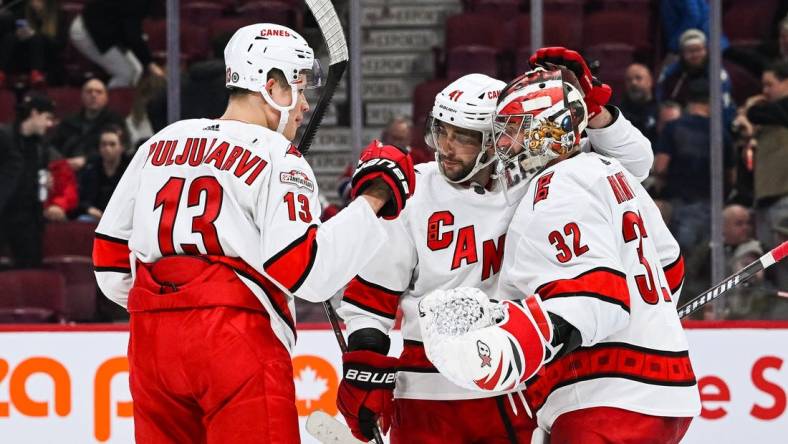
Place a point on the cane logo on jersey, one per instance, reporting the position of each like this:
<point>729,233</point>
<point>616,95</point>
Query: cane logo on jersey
<point>297,178</point>
<point>484,353</point>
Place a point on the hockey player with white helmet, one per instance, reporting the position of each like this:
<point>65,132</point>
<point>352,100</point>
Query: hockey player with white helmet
<point>211,232</point>
<point>598,342</point>
<point>451,234</point>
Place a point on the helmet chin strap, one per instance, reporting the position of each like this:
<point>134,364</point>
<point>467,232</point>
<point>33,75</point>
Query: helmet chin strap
<point>284,111</point>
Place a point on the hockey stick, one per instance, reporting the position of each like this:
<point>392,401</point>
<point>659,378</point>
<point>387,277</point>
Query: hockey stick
<point>772,257</point>
<point>333,319</point>
<point>331,28</point>
<point>326,429</point>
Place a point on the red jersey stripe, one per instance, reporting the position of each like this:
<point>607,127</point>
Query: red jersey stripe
<point>611,360</point>
<point>291,266</point>
<point>111,254</point>
<point>373,298</point>
<point>602,283</point>
<point>674,272</point>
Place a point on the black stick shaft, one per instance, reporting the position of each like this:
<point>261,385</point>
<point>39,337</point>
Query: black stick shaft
<point>734,280</point>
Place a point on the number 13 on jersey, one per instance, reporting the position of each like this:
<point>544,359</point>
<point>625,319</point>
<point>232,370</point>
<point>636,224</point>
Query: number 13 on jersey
<point>204,189</point>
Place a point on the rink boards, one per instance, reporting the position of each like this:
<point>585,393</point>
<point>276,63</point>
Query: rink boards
<point>61,384</point>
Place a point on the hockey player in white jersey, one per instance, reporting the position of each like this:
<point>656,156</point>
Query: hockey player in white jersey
<point>451,234</point>
<point>213,229</point>
<point>598,341</point>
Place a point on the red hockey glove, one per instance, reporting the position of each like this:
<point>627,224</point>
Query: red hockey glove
<point>391,164</point>
<point>596,94</point>
<point>366,392</point>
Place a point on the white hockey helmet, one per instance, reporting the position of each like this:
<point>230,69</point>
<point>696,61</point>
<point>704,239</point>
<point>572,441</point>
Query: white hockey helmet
<point>255,50</point>
<point>469,103</point>
<point>539,117</point>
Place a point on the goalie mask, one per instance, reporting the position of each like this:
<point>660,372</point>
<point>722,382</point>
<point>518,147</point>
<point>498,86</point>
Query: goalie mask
<point>460,121</point>
<point>539,118</point>
<point>254,50</point>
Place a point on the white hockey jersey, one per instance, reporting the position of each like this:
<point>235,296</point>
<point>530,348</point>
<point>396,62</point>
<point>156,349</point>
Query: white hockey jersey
<point>590,241</point>
<point>240,193</point>
<point>451,236</point>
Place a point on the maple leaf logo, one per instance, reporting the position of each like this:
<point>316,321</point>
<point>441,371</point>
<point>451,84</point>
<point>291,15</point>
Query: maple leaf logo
<point>309,386</point>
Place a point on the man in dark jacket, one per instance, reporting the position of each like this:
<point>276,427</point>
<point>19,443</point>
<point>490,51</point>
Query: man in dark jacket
<point>76,137</point>
<point>770,114</point>
<point>21,220</point>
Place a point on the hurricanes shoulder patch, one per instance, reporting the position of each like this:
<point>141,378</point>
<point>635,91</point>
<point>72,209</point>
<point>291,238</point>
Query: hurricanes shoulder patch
<point>297,178</point>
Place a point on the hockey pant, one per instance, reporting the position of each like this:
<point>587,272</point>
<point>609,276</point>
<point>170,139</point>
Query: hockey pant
<point>205,366</point>
<point>464,421</point>
<point>608,425</point>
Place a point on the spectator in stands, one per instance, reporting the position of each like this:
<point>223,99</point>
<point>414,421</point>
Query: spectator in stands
<point>22,222</point>
<point>62,189</point>
<point>109,32</point>
<point>103,172</point>
<point>679,16</point>
<point>693,64</point>
<point>769,114</point>
<point>639,105</point>
<point>137,122</point>
<point>76,137</point>
<point>681,166</point>
<point>668,112</point>
<point>203,91</point>
<point>737,230</point>
<point>397,132</point>
<point>35,46</point>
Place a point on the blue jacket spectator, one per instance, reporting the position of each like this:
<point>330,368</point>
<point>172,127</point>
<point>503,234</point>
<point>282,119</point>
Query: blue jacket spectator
<point>681,15</point>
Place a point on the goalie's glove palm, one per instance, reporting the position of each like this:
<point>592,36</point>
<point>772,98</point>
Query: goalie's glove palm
<point>595,93</point>
<point>481,344</point>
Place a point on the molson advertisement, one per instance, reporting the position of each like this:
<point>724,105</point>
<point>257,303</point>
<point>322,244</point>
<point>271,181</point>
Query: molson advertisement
<point>63,385</point>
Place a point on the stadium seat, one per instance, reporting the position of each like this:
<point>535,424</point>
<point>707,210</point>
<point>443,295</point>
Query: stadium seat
<point>228,25</point>
<point>462,60</point>
<point>71,9</point>
<point>201,13</point>
<point>273,11</point>
<point>424,97</point>
<point>80,286</point>
<point>618,27</point>
<point>68,99</point>
<point>69,239</point>
<point>7,106</point>
<point>121,100</point>
<point>521,64</point>
<point>32,296</point>
<point>194,39</point>
<point>470,28</point>
<point>743,84</point>
<point>558,29</point>
<point>639,6</point>
<point>749,20</point>
<point>613,60</point>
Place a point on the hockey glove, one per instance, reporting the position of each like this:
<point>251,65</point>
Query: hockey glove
<point>391,164</point>
<point>481,344</point>
<point>596,94</point>
<point>366,392</point>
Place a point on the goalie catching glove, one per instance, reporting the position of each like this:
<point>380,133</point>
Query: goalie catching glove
<point>485,345</point>
<point>366,392</point>
<point>392,165</point>
<point>595,93</point>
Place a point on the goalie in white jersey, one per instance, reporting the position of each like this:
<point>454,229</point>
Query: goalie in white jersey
<point>600,343</point>
<point>451,234</point>
<point>213,229</point>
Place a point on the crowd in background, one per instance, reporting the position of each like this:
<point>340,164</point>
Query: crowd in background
<point>56,168</point>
